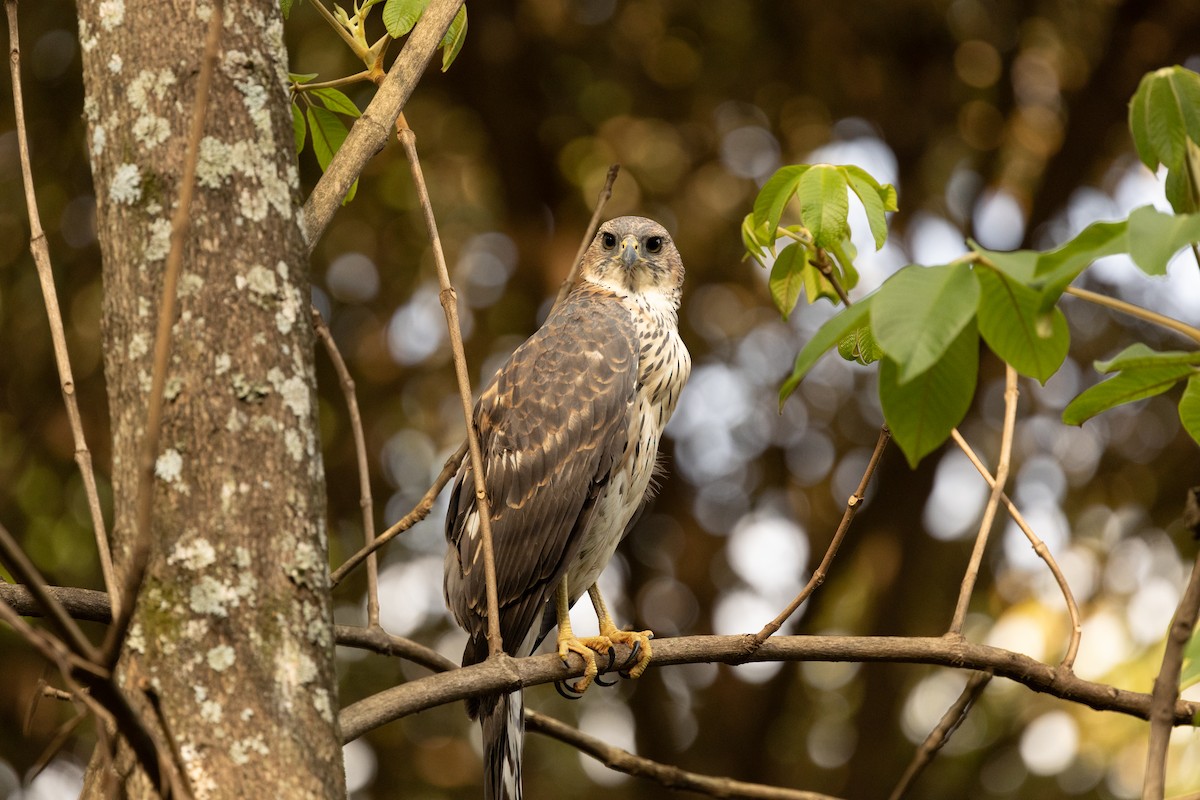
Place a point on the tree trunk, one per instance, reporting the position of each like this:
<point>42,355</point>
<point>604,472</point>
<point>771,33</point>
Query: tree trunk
<point>233,629</point>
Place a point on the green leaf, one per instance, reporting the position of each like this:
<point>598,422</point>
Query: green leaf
<point>399,16</point>
<point>1189,415</point>
<point>1155,237</point>
<point>1021,265</point>
<point>920,311</point>
<point>859,345</point>
<point>1139,355</point>
<point>756,239</point>
<point>298,127</point>
<point>1009,323</point>
<point>787,278</point>
<point>824,204</point>
<point>773,197</point>
<point>328,134</point>
<point>1126,387</point>
<point>1057,268</point>
<point>337,102</point>
<point>301,77</point>
<point>828,335</point>
<point>1164,118</point>
<point>876,200</point>
<point>816,285</point>
<point>452,42</point>
<point>922,411</point>
<point>286,7</point>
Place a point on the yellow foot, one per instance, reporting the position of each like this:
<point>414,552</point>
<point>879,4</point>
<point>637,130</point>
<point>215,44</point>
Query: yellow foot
<point>587,649</point>
<point>639,641</point>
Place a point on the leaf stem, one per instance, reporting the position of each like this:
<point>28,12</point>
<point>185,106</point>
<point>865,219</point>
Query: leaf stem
<point>358,77</point>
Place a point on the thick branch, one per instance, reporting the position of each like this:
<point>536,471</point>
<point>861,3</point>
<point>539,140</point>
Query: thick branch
<point>371,132</point>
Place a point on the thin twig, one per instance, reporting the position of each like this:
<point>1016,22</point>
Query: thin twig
<point>601,200</point>
<point>818,576</point>
<point>340,29</point>
<point>41,259</point>
<point>419,512</point>
<point>139,554</point>
<point>1039,547</point>
<point>360,449</point>
<point>1143,314</point>
<point>993,503</point>
<point>449,300</point>
<point>665,775</point>
<point>942,732</point>
<point>358,77</point>
<point>1166,686</point>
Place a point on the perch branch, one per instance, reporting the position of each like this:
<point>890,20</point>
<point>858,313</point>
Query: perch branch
<point>1039,547</point>
<point>1143,314</point>
<point>41,260</point>
<point>993,503</point>
<point>360,450</point>
<point>140,552</point>
<point>449,300</point>
<point>1166,687</point>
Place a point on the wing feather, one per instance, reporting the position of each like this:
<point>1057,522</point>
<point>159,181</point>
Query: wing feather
<point>551,424</point>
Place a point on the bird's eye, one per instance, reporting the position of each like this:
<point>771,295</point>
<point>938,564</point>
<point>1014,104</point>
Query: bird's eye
<point>609,240</point>
<point>654,244</point>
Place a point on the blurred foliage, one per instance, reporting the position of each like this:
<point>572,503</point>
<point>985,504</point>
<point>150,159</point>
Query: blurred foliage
<point>1003,122</point>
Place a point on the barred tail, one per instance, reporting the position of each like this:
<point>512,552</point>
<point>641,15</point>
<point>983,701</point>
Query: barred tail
<point>503,721</point>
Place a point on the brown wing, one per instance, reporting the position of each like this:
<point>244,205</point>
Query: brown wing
<point>552,425</point>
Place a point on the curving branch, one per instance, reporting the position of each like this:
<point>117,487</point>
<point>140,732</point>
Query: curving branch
<point>601,201</point>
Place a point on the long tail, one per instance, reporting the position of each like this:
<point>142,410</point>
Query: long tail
<point>503,721</point>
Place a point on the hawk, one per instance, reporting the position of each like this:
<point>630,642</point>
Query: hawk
<point>569,429</point>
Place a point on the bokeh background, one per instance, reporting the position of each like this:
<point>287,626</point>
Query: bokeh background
<point>1002,121</point>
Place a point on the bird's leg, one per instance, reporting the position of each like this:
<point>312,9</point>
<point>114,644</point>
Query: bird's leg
<point>638,640</point>
<point>567,641</point>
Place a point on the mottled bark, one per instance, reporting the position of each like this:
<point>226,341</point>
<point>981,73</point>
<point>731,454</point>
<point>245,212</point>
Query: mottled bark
<point>233,629</point>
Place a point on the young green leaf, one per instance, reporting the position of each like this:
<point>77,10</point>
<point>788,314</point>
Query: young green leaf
<point>1189,413</point>
<point>787,278</point>
<point>773,197</point>
<point>921,412</point>
<point>1164,118</point>
<point>859,345</point>
<point>816,285</point>
<point>337,102</point>
<point>824,204</point>
<point>1009,323</point>
<point>301,77</point>
<point>757,240</point>
<point>1020,265</point>
<point>828,335</point>
<point>328,134</point>
<point>876,200</point>
<point>286,7</point>
<point>920,311</point>
<point>1138,355</point>
<point>1126,387</point>
<point>1155,237</point>
<point>1190,674</point>
<point>452,42</point>
<point>399,16</point>
<point>1057,268</point>
<point>299,130</point>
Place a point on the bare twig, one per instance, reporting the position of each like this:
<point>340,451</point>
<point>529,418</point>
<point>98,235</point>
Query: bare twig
<point>818,576</point>
<point>140,552</point>
<point>41,259</point>
<point>1132,310</point>
<point>419,512</point>
<point>373,129</point>
<point>666,775</point>
<point>1166,686</point>
<point>360,450</point>
<point>942,732</point>
<point>1039,547</point>
<point>989,512</point>
<point>449,299</point>
<point>601,201</point>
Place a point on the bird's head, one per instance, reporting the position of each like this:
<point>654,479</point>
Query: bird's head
<point>634,255</point>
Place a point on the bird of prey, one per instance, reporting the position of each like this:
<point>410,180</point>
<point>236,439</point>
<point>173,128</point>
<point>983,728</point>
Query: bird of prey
<point>569,430</point>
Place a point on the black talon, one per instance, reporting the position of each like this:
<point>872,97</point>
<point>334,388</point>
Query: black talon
<point>599,682</point>
<point>567,691</point>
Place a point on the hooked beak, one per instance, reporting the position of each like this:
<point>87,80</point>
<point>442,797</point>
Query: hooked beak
<point>629,251</point>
